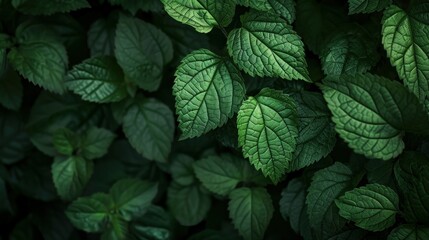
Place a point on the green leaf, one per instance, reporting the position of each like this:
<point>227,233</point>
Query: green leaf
<point>348,53</point>
<point>149,126</point>
<point>409,232</point>
<point>251,210</point>
<point>405,40</point>
<point>188,204</point>
<point>219,174</point>
<point>372,207</point>
<point>371,113</point>
<point>117,231</point>
<point>42,61</point>
<point>328,184</point>
<point>209,90</point>
<point>65,141</point>
<point>90,214</point>
<point>367,6</point>
<point>132,197</point>
<point>95,143</point>
<point>98,79</point>
<point>181,169</point>
<point>267,131</point>
<point>293,207</point>
<point>11,89</point>
<point>261,5</point>
<point>142,50</point>
<point>285,8</point>
<point>412,175</point>
<point>267,46</point>
<point>144,232</point>
<point>71,175</point>
<point>203,15</point>
<point>14,141</point>
<point>101,36</point>
<point>48,7</point>
<point>316,137</point>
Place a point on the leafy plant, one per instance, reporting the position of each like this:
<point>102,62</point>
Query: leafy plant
<point>300,119</point>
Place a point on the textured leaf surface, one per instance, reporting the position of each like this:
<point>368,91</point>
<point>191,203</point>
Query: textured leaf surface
<point>371,113</point>
<point>71,175</point>
<point>90,214</point>
<point>409,232</point>
<point>267,131</point>
<point>372,207</point>
<point>188,204</point>
<point>142,50</point>
<point>261,5</point>
<point>149,126</point>
<point>48,7</point>
<point>285,8</point>
<point>367,6</point>
<point>316,137</point>
<point>406,41</point>
<point>203,15</point>
<point>132,197</point>
<point>98,79</point>
<point>208,90</point>
<point>267,46</point>
<point>251,210</point>
<point>326,185</point>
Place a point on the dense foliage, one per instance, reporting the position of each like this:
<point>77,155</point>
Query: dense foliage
<point>296,119</point>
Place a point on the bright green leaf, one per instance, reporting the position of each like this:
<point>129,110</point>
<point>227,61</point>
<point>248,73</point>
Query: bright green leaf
<point>142,50</point>
<point>251,210</point>
<point>371,113</point>
<point>267,131</point>
<point>208,90</point>
<point>267,46</point>
<point>71,175</point>
<point>367,6</point>
<point>372,207</point>
<point>203,15</point>
<point>149,126</point>
<point>98,79</point>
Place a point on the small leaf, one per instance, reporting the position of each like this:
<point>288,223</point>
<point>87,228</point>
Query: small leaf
<point>372,207</point>
<point>65,141</point>
<point>98,79</point>
<point>267,131</point>
<point>95,143</point>
<point>188,204</point>
<point>266,46</point>
<point>71,175</point>
<point>202,15</point>
<point>149,126</point>
<point>371,113</point>
<point>208,90</point>
<point>91,213</point>
<point>251,210</point>
<point>142,50</point>
<point>132,197</point>
<point>367,6</point>
<point>409,232</point>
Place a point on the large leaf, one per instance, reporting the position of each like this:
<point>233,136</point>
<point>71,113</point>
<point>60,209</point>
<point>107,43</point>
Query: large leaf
<point>142,50</point>
<point>371,113</point>
<point>316,137</point>
<point>203,15</point>
<point>132,197</point>
<point>409,232</point>
<point>40,59</point>
<point>266,45</point>
<point>98,79</point>
<point>251,210</point>
<point>48,7</point>
<point>149,126</point>
<point>209,90</point>
<point>90,214</point>
<point>326,185</point>
<point>367,6</point>
<point>188,204</point>
<point>267,131</point>
<point>405,39</point>
<point>372,207</point>
<point>70,176</point>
